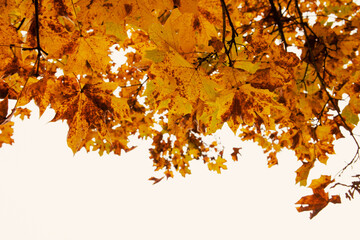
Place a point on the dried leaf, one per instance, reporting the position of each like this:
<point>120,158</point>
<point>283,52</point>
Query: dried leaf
<point>156,180</point>
<point>316,202</point>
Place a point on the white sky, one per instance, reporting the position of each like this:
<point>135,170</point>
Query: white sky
<point>46,193</point>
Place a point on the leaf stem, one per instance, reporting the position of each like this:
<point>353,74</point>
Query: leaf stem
<point>37,32</point>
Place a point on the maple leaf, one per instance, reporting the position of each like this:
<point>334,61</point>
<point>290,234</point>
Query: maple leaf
<point>37,90</point>
<point>23,112</point>
<point>90,53</point>
<point>6,133</point>
<point>319,199</point>
<point>78,129</point>
<point>86,107</point>
<point>218,165</point>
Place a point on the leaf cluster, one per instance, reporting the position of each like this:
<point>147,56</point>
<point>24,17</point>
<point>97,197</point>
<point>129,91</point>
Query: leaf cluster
<point>192,66</point>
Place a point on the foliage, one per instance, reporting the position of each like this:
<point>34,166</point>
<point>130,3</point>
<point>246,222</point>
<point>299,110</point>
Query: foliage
<point>192,66</point>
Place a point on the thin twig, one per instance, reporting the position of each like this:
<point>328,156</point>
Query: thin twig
<point>38,45</point>
<point>232,43</point>
<point>137,92</point>
<point>277,17</point>
<point>21,23</point>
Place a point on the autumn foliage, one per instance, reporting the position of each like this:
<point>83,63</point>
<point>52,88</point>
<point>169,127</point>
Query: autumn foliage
<point>283,74</point>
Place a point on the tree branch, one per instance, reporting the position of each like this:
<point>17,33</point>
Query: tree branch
<point>277,17</point>
<point>234,34</point>
<point>37,32</point>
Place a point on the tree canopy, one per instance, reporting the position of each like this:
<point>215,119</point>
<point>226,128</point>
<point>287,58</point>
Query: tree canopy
<point>283,74</point>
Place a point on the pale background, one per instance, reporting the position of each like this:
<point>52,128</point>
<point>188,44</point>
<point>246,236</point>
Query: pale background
<point>48,194</point>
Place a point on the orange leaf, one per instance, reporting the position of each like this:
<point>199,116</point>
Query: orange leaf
<point>3,108</point>
<point>218,165</point>
<point>319,199</point>
<point>321,182</point>
<point>23,112</point>
<point>156,180</point>
<point>6,132</point>
<point>235,153</point>
<point>4,118</point>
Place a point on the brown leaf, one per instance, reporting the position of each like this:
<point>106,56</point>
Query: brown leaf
<point>235,153</point>
<point>3,109</point>
<point>156,180</point>
<point>4,118</point>
<point>319,199</point>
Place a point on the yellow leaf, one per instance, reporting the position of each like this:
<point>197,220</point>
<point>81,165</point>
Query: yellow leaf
<point>218,165</point>
<point>321,182</point>
<point>210,90</point>
<point>78,130</point>
<point>181,106</point>
<point>117,30</point>
<point>90,53</point>
<point>247,66</point>
<point>23,112</point>
<point>302,173</point>
<point>6,133</point>
<point>155,55</point>
<point>350,117</point>
<point>323,132</point>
